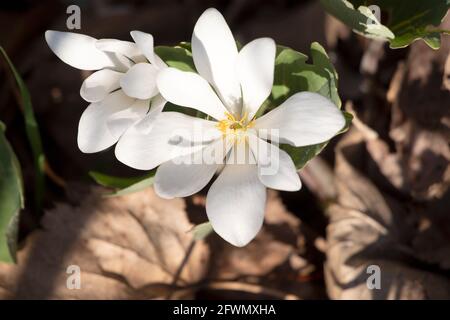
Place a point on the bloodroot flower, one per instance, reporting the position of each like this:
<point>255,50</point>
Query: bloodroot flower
<point>120,92</point>
<point>230,88</point>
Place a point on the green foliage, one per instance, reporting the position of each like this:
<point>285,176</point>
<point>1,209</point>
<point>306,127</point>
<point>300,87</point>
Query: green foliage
<point>179,57</point>
<point>32,131</point>
<point>116,182</point>
<point>201,231</point>
<point>11,199</point>
<point>11,185</point>
<point>406,20</point>
<point>138,186</point>
<point>293,74</point>
<point>123,185</point>
<point>361,20</point>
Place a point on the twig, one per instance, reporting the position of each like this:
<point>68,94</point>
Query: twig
<point>181,267</point>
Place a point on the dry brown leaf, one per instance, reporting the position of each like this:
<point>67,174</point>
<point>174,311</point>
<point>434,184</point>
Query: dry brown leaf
<point>368,227</point>
<point>121,245</point>
<point>417,163</point>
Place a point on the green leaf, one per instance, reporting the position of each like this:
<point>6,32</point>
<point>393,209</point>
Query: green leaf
<point>202,230</point>
<point>32,131</point>
<point>177,57</point>
<point>294,74</point>
<point>361,21</point>
<point>410,20</point>
<point>116,182</point>
<point>139,184</point>
<point>407,20</point>
<point>11,199</point>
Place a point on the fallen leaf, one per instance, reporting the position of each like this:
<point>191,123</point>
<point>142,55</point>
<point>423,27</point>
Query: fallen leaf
<point>368,227</point>
<point>121,245</point>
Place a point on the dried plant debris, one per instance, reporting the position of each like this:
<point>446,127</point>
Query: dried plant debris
<point>126,247</point>
<point>371,228</point>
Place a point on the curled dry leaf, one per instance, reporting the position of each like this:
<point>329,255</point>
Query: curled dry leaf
<point>368,227</point>
<point>121,245</point>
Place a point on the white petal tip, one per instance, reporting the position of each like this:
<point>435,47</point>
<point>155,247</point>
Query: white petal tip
<point>236,240</point>
<point>77,50</point>
<point>159,192</point>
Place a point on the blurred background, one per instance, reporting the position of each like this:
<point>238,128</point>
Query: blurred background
<point>377,196</point>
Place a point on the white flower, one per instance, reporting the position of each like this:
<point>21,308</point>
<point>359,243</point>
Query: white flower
<point>231,87</point>
<point>122,89</point>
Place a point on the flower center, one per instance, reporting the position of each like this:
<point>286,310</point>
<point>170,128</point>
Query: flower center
<point>233,129</point>
<point>234,126</point>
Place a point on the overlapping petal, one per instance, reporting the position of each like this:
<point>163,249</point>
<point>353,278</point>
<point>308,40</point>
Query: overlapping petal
<point>145,43</point>
<point>140,81</point>
<point>188,89</point>
<point>172,135</point>
<point>186,175</point>
<point>99,84</point>
<point>93,132</point>
<point>126,48</point>
<point>276,169</point>
<point>120,121</point>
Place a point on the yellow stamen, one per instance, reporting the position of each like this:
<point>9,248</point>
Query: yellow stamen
<point>235,129</point>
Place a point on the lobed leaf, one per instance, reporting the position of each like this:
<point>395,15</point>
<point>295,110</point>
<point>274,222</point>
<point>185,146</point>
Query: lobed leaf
<point>292,75</point>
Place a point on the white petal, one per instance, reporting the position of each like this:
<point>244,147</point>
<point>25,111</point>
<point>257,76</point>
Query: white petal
<point>140,81</point>
<point>119,122</point>
<point>188,89</point>
<point>256,64</point>
<point>156,106</point>
<point>215,56</point>
<point>93,132</point>
<point>172,135</point>
<point>305,118</point>
<point>126,48</point>
<point>186,175</point>
<point>99,84</point>
<point>78,50</point>
<point>235,204</point>
<point>276,169</point>
<point>145,43</point>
